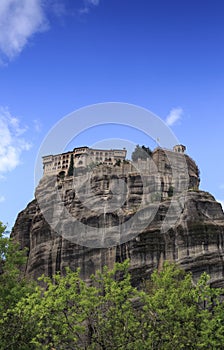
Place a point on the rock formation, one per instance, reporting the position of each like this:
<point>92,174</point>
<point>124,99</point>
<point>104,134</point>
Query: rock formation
<point>149,212</point>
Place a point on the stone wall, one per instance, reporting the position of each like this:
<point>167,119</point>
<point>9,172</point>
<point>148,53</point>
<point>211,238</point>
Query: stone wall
<point>187,227</point>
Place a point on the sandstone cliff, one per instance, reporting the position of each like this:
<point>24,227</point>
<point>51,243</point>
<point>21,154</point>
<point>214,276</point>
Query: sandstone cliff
<point>141,212</point>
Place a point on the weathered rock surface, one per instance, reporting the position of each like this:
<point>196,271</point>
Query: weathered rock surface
<point>187,228</point>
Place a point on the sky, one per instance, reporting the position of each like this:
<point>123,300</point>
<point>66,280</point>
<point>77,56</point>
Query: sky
<point>57,56</point>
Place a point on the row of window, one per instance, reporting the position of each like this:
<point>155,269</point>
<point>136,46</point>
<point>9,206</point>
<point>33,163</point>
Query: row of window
<point>92,153</point>
<point>60,157</point>
<point>49,169</point>
<point>80,150</point>
<point>96,153</point>
<point>59,163</point>
<point>60,167</point>
<point>64,163</point>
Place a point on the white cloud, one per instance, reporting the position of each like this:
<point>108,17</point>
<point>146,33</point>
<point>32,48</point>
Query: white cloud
<point>12,144</point>
<point>174,115</point>
<point>19,20</point>
<point>37,125</point>
<point>58,7</point>
<point>87,5</point>
<point>93,2</point>
<point>2,199</point>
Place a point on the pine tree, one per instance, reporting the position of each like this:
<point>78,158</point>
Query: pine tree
<point>71,166</point>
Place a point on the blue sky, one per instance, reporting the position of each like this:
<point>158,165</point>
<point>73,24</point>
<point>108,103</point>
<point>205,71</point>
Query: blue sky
<point>60,55</point>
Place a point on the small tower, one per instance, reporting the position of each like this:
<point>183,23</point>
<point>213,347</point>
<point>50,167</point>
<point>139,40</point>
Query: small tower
<point>179,148</point>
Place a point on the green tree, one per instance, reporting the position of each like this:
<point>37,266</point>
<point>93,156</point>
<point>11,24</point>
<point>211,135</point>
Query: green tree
<point>108,313</point>
<point>118,162</point>
<point>147,150</point>
<point>170,302</point>
<point>185,315</point>
<point>13,286</point>
<point>69,314</point>
<point>141,152</point>
<point>170,191</point>
<point>71,166</point>
<point>117,322</point>
<point>59,312</point>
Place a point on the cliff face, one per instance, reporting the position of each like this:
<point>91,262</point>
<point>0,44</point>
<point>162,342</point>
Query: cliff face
<point>117,213</point>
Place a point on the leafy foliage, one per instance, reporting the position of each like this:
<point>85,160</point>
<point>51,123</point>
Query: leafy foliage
<point>71,166</point>
<point>170,191</point>
<point>13,286</point>
<point>141,152</point>
<point>118,162</point>
<point>170,312</point>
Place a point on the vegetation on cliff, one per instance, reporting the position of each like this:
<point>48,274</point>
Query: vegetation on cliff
<point>71,166</point>
<point>169,312</point>
<point>141,152</point>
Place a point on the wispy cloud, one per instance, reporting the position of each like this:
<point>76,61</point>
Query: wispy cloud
<point>87,4</point>
<point>37,125</point>
<point>58,7</point>
<point>12,143</point>
<point>93,2</point>
<point>19,20</point>
<point>174,115</point>
<point>2,199</point>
